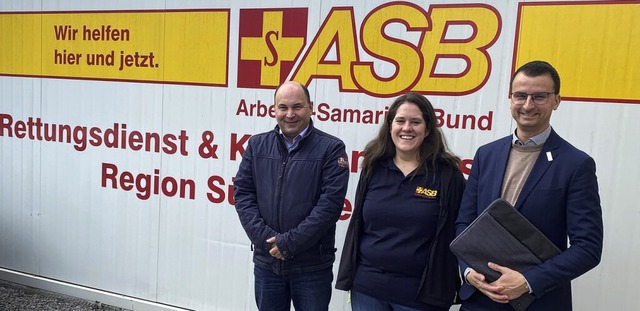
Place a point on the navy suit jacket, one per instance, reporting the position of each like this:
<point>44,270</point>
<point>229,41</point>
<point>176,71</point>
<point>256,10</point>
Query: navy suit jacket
<point>560,197</point>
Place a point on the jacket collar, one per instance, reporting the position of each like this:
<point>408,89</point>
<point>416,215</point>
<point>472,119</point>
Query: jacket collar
<point>309,131</point>
<point>548,153</point>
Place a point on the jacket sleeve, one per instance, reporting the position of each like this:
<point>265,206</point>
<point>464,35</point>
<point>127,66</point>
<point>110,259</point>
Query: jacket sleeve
<point>468,206</point>
<point>327,210</point>
<point>246,203</point>
<point>585,231</point>
<point>456,191</point>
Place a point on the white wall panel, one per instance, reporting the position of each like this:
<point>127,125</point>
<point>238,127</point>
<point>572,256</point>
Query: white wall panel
<point>58,223</point>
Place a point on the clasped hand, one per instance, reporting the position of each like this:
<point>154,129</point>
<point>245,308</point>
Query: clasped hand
<point>509,286</point>
<point>274,251</point>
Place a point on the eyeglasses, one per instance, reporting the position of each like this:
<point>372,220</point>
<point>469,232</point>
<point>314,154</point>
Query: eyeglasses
<point>539,98</point>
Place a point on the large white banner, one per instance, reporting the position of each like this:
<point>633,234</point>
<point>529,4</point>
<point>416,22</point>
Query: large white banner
<point>122,123</point>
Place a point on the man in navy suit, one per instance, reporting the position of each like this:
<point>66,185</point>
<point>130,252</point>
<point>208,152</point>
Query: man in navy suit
<point>552,183</point>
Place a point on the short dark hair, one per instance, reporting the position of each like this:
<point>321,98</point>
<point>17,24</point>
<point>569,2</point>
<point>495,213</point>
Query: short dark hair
<point>304,89</point>
<point>537,68</point>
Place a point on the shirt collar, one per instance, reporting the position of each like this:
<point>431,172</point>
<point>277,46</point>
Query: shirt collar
<point>533,141</point>
<point>291,145</point>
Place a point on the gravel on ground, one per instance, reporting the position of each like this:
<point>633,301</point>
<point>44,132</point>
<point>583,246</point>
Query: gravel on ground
<point>17,297</point>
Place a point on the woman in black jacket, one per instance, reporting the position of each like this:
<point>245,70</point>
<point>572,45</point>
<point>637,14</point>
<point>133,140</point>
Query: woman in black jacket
<point>396,253</point>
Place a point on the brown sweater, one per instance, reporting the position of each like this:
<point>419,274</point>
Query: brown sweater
<point>521,160</point>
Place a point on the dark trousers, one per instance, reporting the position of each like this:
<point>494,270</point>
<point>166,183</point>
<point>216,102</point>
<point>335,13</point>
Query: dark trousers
<point>309,291</point>
<point>479,302</point>
<point>362,302</point>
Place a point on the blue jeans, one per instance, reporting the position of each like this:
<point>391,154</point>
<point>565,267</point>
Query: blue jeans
<point>308,291</point>
<point>362,302</point>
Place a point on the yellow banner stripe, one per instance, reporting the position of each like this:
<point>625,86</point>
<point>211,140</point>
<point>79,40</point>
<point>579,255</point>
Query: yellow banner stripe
<point>189,47</point>
<point>594,46</point>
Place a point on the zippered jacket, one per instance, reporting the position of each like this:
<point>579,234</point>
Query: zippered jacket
<point>296,196</point>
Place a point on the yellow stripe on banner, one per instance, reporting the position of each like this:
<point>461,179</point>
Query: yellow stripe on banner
<point>197,47</point>
<point>158,46</point>
<point>20,44</point>
<point>594,46</point>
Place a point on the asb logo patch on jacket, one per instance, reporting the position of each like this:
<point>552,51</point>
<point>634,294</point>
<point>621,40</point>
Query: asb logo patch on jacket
<point>426,192</point>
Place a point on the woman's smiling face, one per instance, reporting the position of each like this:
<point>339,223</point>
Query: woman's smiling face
<point>408,129</point>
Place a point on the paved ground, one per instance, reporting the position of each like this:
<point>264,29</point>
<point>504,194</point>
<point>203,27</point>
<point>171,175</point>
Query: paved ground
<point>16,297</point>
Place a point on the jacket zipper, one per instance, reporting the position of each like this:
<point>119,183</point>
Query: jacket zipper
<point>279,212</point>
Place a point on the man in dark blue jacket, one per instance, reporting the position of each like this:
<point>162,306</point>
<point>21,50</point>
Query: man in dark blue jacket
<point>289,192</point>
<point>552,183</point>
